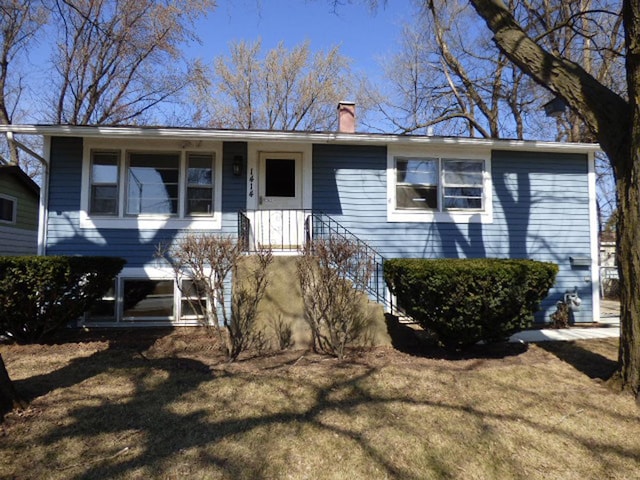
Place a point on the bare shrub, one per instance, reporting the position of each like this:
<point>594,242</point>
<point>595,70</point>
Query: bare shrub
<point>332,272</point>
<point>245,299</point>
<point>207,261</point>
<point>283,332</point>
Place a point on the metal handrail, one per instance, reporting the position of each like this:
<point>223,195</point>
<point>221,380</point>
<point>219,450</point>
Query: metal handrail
<point>324,226</point>
<point>316,225</point>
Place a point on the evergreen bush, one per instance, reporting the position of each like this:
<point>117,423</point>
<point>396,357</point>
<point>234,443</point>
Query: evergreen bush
<point>463,301</point>
<point>40,295</point>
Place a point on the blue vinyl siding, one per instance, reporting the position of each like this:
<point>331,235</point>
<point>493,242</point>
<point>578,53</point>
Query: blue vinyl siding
<point>540,211</point>
<point>65,237</point>
<point>234,189</point>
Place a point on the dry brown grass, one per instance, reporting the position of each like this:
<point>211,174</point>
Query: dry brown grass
<point>136,405</point>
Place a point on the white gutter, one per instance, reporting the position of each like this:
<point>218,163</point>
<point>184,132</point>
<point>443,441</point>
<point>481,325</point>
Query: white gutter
<point>593,236</point>
<point>295,137</point>
<point>43,217</point>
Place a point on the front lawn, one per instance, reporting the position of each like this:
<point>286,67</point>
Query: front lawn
<point>165,405</point>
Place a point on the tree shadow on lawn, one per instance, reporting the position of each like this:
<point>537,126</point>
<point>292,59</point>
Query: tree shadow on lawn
<point>415,341</point>
<point>590,363</point>
<point>154,437</point>
<point>160,428</point>
<point>122,344</point>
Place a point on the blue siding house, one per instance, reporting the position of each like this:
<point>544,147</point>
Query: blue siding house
<point>123,190</point>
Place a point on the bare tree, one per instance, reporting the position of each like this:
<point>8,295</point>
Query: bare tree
<point>612,115</point>
<point>9,397</point>
<point>117,60</point>
<point>20,20</point>
<point>281,90</point>
<point>205,267</point>
<point>449,78</point>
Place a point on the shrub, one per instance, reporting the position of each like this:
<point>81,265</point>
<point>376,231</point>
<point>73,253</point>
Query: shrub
<point>332,273</point>
<point>39,295</point>
<point>464,301</point>
<point>209,261</point>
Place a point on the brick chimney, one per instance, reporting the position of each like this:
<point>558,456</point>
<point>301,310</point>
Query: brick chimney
<point>346,117</point>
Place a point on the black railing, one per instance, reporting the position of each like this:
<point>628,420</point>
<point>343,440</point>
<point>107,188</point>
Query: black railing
<point>291,230</point>
<point>321,225</point>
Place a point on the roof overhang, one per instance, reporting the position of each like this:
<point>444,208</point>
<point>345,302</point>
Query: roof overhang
<point>171,133</point>
<point>16,172</point>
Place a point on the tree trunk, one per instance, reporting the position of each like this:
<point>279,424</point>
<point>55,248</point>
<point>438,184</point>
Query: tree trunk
<point>9,398</point>
<point>628,231</point>
<point>616,123</point>
<point>627,169</point>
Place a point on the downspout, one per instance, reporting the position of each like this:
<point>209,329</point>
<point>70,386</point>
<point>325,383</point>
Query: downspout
<point>593,237</point>
<point>44,188</point>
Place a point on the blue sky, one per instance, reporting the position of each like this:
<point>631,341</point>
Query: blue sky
<point>363,36</point>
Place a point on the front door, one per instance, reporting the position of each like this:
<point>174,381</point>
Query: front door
<point>280,219</point>
<point>280,181</point>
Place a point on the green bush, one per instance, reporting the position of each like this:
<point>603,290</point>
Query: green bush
<point>39,295</point>
<point>464,301</point>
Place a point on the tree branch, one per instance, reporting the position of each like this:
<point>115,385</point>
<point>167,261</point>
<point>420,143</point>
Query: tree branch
<point>604,111</point>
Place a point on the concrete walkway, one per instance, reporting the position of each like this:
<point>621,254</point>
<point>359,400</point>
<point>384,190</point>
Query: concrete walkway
<point>608,327</point>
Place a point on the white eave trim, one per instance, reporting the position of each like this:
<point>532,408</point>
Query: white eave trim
<point>296,137</point>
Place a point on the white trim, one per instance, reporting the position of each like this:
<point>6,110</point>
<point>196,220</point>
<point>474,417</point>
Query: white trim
<point>398,215</point>
<point>254,150</point>
<point>264,136</point>
<point>151,222</point>
<point>593,237</point>
<point>43,216</point>
<point>145,273</point>
<point>14,210</point>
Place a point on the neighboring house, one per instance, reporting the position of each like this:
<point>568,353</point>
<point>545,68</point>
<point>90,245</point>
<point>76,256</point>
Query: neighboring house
<point>123,190</point>
<point>19,203</point>
<point>608,265</point>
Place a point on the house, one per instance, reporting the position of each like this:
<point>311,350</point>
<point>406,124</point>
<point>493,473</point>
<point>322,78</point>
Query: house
<point>608,266</point>
<point>124,190</point>
<point>19,200</point>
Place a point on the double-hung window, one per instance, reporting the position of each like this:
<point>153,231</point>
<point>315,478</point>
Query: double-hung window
<point>199,184</point>
<point>152,188</point>
<point>104,183</point>
<point>439,188</point>
<point>462,184</point>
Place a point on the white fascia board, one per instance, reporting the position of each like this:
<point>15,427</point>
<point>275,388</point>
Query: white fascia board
<point>295,137</point>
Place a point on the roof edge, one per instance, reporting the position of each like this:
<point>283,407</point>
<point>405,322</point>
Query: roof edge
<point>20,174</point>
<point>291,136</point>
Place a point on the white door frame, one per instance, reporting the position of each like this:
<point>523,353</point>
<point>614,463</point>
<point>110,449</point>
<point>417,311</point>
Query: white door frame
<point>254,151</point>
